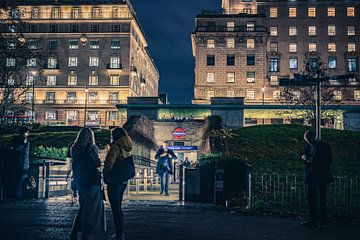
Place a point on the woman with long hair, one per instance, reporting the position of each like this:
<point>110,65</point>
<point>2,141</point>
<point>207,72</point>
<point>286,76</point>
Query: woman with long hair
<point>120,148</point>
<point>90,217</point>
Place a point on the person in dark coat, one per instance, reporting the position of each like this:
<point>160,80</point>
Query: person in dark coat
<point>90,217</point>
<point>21,148</point>
<point>164,167</point>
<point>317,159</point>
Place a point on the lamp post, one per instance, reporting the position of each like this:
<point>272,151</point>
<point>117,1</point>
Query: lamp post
<point>263,95</point>
<point>86,99</point>
<point>33,74</point>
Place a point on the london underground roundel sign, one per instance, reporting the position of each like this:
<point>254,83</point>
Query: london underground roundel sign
<point>179,133</point>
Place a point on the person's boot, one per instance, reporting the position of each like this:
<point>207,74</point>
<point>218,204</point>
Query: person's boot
<point>167,194</point>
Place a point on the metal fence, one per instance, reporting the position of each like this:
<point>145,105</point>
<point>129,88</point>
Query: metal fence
<point>287,192</point>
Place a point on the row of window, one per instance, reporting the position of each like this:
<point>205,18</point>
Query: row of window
<point>230,77</point>
<point>312,12</point>
<point>230,43</point>
<point>73,115</point>
<point>312,31</point>
<point>312,47</point>
<point>230,60</point>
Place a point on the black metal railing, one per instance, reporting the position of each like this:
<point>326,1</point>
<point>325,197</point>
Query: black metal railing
<point>230,29</point>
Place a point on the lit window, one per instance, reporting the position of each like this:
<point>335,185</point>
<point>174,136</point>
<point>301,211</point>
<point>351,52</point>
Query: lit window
<point>230,43</point>
<point>312,47</point>
<point>35,13</point>
<point>93,80</point>
<point>55,13</point>
<point>230,77</point>
<point>71,97</point>
<point>312,30</point>
<point>230,26</point>
<point>114,80</point>
<point>50,97</point>
<point>28,97</point>
<point>71,115</point>
<point>73,61</point>
<point>51,80</point>
<point>114,97</point>
<point>250,77</point>
<point>52,63</point>
<point>11,81</point>
<point>250,94</point>
<point>73,44</point>
<point>273,31</point>
<point>292,31</point>
<point>273,12</point>
<point>29,80</point>
<point>276,95</point>
<point>332,63</point>
<point>96,12</point>
<point>312,12</point>
<point>292,12</point>
<point>51,115</point>
<point>31,62</point>
<point>210,94</point>
<point>113,115</point>
<point>274,65</point>
<point>93,116</point>
<point>337,95</point>
<point>331,30</point>
<point>93,62</point>
<point>250,43</point>
<point>76,13</point>
<point>32,44</point>
<point>357,95</point>
<point>273,46</point>
<point>274,79</point>
<point>93,97</point>
<point>210,77</point>
<point>210,43</point>
<point>210,60</point>
<point>351,47</point>
<point>94,44</point>
<point>351,31</point>
<point>332,47</point>
<point>352,64</point>
<point>115,63</point>
<point>331,12</point>
<point>250,26</point>
<point>72,80</point>
<point>293,47</point>
<point>293,63</point>
<point>230,93</point>
<point>10,62</point>
<point>115,44</point>
<point>350,11</point>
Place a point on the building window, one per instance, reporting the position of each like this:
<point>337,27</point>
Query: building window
<point>230,77</point>
<point>250,77</point>
<point>331,12</point>
<point>332,47</point>
<point>312,12</point>
<point>293,47</point>
<point>273,46</point>
<point>351,47</point>
<point>35,13</point>
<point>113,115</point>
<point>74,28</point>
<point>71,115</point>
<point>93,116</point>
<point>337,95</point>
<point>73,44</point>
<point>51,115</point>
<point>76,13</point>
<point>96,12</point>
<point>10,62</point>
<point>210,77</point>
<point>114,80</point>
<point>52,63</point>
<point>274,79</point>
<point>54,28</point>
<point>51,80</point>
<point>93,80</point>
<point>332,63</point>
<point>273,31</point>
<point>250,26</point>
<point>274,65</point>
<point>32,44</point>
<point>11,81</point>
<point>352,64</point>
<point>250,94</point>
<point>293,63</point>
<point>351,31</point>
<point>52,45</point>
<point>55,13</point>
<point>33,28</point>
<point>273,12</point>
<point>331,30</point>
<point>230,93</point>
<point>210,60</point>
<point>94,44</point>
<point>73,62</point>
<point>230,60</point>
<point>357,95</point>
<point>29,80</point>
<point>312,30</point>
<point>93,62</point>
<point>29,97</point>
<point>230,43</point>
<point>230,26</point>
<point>115,63</point>
<point>276,95</point>
<point>210,43</point>
<point>114,97</point>
<point>250,43</point>
<point>350,11</point>
<point>312,47</point>
<point>292,31</point>
<point>250,60</point>
<point>116,28</point>
<point>50,97</point>
<point>115,44</point>
<point>71,97</point>
<point>210,94</point>
<point>93,97</point>
<point>292,12</point>
<point>72,80</point>
<point>31,62</point>
<point>95,28</point>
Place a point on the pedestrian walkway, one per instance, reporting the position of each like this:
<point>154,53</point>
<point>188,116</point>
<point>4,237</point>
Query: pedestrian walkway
<point>160,220</point>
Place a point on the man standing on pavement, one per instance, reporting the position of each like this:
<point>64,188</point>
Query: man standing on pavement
<point>317,159</point>
<point>164,167</point>
<point>21,147</point>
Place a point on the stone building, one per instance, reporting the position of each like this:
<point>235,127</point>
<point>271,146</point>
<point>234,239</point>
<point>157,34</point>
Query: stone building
<point>100,57</point>
<point>243,51</point>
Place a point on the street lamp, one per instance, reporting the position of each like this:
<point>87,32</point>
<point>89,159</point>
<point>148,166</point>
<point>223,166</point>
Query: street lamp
<point>21,39</point>
<point>86,99</point>
<point>83,40</point>
<point>263,95</point>
<point>33,74</point>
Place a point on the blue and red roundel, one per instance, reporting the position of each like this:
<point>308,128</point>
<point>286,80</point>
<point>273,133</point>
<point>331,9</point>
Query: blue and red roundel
<point>179,133</point>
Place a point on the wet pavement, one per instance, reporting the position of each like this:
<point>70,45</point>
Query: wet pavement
<point>157,220</point>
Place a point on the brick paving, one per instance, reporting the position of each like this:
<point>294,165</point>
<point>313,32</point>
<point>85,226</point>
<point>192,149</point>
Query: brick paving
<point>157,220</point>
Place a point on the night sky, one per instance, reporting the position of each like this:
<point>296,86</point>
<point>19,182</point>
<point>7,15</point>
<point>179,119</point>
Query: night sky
<point>168,25</point>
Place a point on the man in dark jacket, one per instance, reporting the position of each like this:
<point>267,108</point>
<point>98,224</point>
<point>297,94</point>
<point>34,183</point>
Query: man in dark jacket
<point>21,147</point>
<point>164,166</point>
<point>317,159</point>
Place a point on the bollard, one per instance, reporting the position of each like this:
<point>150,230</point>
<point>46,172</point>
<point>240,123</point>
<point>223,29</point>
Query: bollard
<point>152,179</point>
<point>137,182</point>
<point>181,183</point>
<point>145,179</point>
<point>47,179</point>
